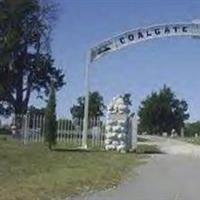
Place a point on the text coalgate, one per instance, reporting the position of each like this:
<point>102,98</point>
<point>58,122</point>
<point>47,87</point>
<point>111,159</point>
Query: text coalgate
<point>144,34</point>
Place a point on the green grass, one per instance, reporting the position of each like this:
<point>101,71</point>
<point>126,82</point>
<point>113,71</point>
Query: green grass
<point>32,172</point>
<point>141,139</point>
<point>192,140</point>
<point>147,149</point>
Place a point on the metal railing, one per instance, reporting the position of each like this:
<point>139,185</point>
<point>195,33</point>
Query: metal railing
<point>31,129</point>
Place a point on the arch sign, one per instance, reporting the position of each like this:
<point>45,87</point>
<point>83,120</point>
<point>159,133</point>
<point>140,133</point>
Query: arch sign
<point>143,34</point>
<point>132,37</point>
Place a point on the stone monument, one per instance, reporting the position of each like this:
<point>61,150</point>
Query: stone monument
<point>118,135</point>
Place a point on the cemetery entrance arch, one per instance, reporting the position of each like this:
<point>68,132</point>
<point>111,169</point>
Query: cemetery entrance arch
<point>133,37</point>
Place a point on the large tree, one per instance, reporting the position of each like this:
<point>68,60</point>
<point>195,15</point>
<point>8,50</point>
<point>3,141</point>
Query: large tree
<point>162,111</point>
<point>26,64</point>
<point>96,106</point>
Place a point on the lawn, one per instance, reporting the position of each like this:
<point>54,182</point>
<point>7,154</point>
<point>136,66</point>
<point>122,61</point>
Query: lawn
<point>33,172</point>
<point>147,149</point>
<point>193,140</point>
<point>141,139</point>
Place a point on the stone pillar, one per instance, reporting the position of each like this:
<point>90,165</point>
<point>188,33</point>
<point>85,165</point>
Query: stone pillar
<point>134,130</point>
<point>117,122</point>
<point>182,132</point>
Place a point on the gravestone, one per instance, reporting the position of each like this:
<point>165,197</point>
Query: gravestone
<point>164,134</point>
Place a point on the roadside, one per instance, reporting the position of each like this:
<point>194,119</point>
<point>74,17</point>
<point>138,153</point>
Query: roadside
<point>173,146</point>
<point>33,172</point>
<point>164,177</point>
<point>193,140</point>
<point>170,176</point>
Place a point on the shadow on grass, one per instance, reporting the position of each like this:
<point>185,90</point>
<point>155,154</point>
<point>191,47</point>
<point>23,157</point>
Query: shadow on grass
<point>150,152</point>
<point>148,149</point>
<point>77,150</point>
<point>137,151</point>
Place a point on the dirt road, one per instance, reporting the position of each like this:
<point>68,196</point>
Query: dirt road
<point>171,176</point>
<point>174,147</point>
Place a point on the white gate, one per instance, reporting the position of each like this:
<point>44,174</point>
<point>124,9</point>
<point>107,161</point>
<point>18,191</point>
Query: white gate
<point>31,129</point>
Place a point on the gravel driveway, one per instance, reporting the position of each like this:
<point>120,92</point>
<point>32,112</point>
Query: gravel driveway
<point>171,176</point>
<point>174,147</point>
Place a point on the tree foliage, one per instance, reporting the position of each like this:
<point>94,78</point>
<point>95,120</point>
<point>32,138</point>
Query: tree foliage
<point>96,106</point>
<point>26,64</point>
<point>192,128</point>
<point>50,119</point>
<point>36,111</point>
<point>161,112</point>
<point>127,99</point>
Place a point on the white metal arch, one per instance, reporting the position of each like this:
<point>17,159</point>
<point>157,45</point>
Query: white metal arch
<point>129,38</point>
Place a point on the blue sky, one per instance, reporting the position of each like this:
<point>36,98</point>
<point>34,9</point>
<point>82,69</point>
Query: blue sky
<point>138,69</point>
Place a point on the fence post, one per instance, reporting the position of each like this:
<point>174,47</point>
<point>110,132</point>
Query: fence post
<point>86,105</point>
<point>25,118</point>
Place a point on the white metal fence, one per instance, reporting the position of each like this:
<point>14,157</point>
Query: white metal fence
<point>31,129</point>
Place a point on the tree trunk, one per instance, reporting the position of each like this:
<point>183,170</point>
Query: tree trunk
<point>19,93</point>
<point>50,146</point>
